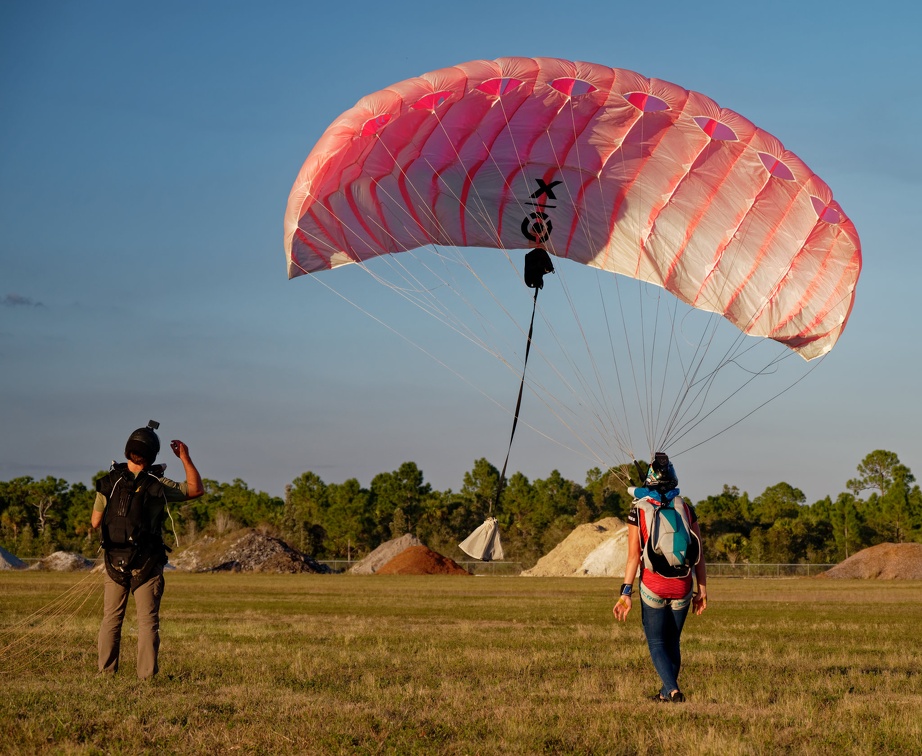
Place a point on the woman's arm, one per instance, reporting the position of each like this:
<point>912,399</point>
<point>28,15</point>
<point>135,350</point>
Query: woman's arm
<point>623,606</point>
<point>700,601</point>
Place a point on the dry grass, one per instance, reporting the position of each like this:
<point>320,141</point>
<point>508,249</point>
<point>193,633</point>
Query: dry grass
<point>423,665</point>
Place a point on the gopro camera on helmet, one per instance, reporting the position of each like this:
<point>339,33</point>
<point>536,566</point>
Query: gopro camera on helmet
<point>661,475</point>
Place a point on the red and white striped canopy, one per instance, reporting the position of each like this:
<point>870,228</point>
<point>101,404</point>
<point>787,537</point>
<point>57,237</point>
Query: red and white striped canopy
<point>599,165</point>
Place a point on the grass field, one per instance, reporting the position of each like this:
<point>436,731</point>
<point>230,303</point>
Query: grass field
<point>449,665</point>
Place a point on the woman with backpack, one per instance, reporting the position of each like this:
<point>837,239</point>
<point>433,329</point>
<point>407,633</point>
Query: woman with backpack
<point>664,540</point>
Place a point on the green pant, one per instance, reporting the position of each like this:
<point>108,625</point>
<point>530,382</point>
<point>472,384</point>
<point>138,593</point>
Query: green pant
<point>147,603</point>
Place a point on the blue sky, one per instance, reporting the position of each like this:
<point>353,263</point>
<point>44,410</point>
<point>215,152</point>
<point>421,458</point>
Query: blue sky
<point>146,155</point>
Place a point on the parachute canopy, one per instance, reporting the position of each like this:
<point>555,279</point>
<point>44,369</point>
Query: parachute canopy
<point>599,165</point>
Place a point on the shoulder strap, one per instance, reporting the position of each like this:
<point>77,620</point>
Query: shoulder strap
<point>646,509</point>
<point>151,484</point>
<point>153,488</point>
<point>107,482</point>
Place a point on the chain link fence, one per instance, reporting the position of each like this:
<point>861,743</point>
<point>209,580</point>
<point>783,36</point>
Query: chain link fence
<point>474,567</point>
<point>715,569</point>
<point>746,570</point>
<point>510,569</point>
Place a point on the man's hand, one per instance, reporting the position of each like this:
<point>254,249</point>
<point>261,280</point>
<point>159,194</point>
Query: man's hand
<point>179,449</point>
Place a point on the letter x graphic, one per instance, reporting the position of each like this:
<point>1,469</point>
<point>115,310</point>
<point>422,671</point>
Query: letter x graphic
<point>547,189</point>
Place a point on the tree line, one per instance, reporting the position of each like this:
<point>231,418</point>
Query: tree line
<point>346,520</point>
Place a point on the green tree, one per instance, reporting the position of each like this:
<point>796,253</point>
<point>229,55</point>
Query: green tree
<point>403,489</point>
<point>896,505</point>
<point>609,491</point>
<point>32,513</point>
<point>888,511</point>
<point>878,471</point>
<point>520,534</point>
<point>724,525</point>
<point>479,491</point>
<point>348,520</point>
<point>75,533</point>
<point>399,524</point>
<point>847,526</point>
<point>784,542</point>
<point>816,543</point>
<point>730,546</point>
<point>776,502</point>
<point>557,502</point>
<point>228,505</point>
<point>724,513</point>
<point>915,514</point>
<point>17,516</point>
<point>445,522</point>
<point>45,497</point>
<point>304,513</point>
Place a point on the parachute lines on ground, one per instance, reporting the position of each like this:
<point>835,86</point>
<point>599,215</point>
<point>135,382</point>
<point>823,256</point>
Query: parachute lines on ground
<point>617,174</point>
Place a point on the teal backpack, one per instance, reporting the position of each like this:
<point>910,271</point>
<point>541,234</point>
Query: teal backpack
<point>672,548</point>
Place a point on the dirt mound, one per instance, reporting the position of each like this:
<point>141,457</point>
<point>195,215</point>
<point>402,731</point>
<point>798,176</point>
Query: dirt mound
<point>421,560</point>
<point>886,561</point>
<point>571,557</point>
<point>10,562</point>
<point>63,561</point>
<point>245,551</point>
<point>383,554</point>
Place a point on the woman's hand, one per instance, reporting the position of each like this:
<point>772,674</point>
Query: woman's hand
<point>700,600</point>
<point>622,608</point>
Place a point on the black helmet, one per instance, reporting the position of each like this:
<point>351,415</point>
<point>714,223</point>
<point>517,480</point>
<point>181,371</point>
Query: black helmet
<point>144,442</point>
<point>661,475</point>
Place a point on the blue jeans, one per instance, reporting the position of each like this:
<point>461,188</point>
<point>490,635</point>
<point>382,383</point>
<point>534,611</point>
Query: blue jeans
<point>663,628</point>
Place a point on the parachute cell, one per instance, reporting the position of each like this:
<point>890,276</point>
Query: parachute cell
<point>602,166</point>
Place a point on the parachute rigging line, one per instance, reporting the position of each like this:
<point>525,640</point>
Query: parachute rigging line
<point>537,264</point>
<point>518,405</point>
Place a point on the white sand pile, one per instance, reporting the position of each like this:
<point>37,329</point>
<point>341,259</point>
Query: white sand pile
<point>608,559</point>
<point>383,554</point>
<point>63,561</point>
<point>886,561</point>
<point>10,562</point>
<point>594,549</point>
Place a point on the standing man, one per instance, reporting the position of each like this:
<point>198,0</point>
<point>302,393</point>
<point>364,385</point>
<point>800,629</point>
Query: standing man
<point>131,505</point>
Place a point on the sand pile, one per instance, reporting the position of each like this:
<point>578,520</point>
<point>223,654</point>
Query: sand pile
<point>383,554</point>
<point>245,551</point>
<point>421,560</point>
<point>594,549</point>
<point>608,559</point>
<point>10,562</point>
<point>63,561</point>
<point>886,561</point>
